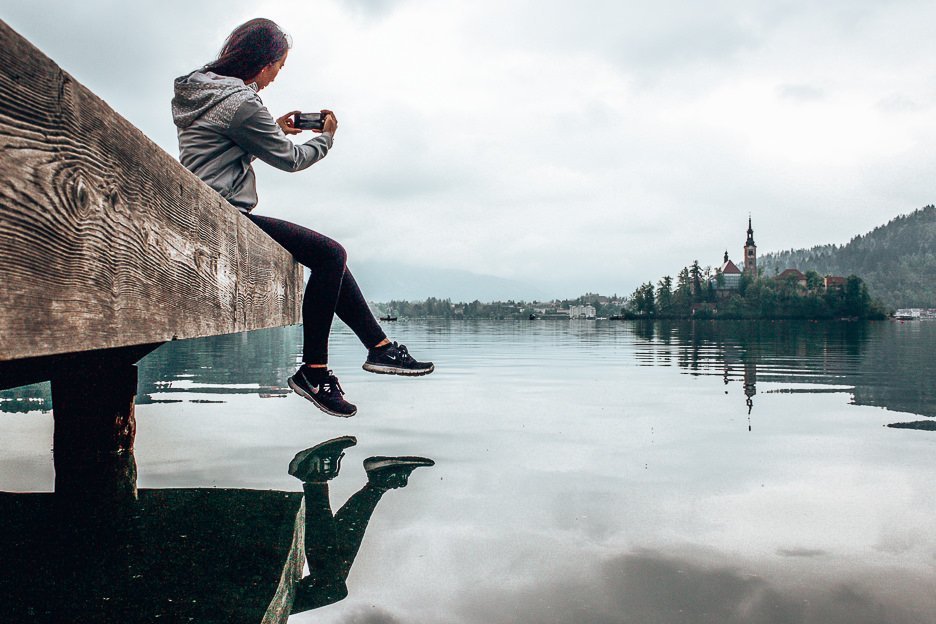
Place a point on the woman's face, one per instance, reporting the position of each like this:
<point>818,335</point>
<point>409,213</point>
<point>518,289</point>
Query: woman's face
<point>268,74</point>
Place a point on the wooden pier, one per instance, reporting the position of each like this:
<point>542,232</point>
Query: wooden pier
<point>108,249</point>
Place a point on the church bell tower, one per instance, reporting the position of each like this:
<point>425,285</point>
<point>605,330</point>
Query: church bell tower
<point>750,252</point>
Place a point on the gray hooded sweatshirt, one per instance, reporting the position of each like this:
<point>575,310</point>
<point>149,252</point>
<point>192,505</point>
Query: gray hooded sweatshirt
<point>223,125</point>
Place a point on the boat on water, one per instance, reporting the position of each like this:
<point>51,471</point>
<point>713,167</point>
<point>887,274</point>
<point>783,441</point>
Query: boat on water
<point>388,318</point>
<point>908,314</point>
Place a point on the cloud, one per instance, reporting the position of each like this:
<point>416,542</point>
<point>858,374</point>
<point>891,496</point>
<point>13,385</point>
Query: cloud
<point>802,93</point>
<point>601,146</point>
<point>650,586</point>
<point>373,615</point>
<point>801,552</point>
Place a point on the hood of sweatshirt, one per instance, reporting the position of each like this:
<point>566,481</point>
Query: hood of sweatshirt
<point>207,94</point>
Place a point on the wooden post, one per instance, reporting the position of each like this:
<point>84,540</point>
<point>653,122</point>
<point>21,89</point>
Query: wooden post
<point>95,426</point>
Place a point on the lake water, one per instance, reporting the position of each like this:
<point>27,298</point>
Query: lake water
<point>586,471</point>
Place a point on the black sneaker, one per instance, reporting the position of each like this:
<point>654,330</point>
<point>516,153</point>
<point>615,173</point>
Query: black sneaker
<point>394,359</point>
<point>327,396</point>
<point>392,472</point>
<point>322,461</point>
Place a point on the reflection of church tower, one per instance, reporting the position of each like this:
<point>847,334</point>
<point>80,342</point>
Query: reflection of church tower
<point>750,252</point>
<point>750,386</point>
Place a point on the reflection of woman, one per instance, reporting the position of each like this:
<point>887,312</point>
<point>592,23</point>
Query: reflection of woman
<point>332,541</point>
<point>222,127</point>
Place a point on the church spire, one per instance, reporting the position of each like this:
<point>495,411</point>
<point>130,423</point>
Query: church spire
<point>750,251</point>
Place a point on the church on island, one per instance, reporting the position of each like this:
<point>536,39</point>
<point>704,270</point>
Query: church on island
<point>731,275</point>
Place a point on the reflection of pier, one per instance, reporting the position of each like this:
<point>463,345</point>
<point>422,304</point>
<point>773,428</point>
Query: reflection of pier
<point>201,555</point>
<point>111,553</point>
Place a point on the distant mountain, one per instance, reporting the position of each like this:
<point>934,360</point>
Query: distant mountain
<point>384,281</point>
<point>897,261</point>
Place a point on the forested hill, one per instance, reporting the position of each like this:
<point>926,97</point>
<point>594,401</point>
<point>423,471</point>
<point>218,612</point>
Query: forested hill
<point>897,261</point>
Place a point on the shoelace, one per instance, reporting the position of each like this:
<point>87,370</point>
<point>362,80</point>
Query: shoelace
<point>404,353</point>
<point>332,384</point>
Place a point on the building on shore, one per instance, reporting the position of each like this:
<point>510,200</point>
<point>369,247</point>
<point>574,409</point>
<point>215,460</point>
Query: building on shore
<point>582,312</point>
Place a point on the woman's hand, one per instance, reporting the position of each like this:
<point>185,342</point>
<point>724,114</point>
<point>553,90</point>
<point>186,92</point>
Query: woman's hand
<point>331,122</point>
<point>287,123</point>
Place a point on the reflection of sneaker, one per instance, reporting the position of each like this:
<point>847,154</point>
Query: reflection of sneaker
<point>322,461</point>
<point>394,359</point>
<point>327,396</point>
<point>392,472</point>
<point>313,592</point>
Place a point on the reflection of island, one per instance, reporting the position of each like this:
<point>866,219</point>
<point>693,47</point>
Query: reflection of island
<point>112,553</point>
<point>878,363</point>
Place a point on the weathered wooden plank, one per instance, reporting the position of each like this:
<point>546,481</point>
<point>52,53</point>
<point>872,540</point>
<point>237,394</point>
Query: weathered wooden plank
<point>105,239</point>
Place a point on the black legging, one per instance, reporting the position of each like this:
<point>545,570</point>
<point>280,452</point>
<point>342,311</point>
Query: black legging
<point>331,289</point>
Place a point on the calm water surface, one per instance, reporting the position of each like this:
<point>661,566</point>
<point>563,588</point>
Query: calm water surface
<point>589,471</point>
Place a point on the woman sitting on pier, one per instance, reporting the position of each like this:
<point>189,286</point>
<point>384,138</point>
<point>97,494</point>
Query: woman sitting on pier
<point>222,126</point>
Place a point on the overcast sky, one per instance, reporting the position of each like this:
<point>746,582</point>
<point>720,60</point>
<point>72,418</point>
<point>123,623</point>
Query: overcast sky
<point>586,147</point>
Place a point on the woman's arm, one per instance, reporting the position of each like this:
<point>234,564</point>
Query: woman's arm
<point>256,132</point>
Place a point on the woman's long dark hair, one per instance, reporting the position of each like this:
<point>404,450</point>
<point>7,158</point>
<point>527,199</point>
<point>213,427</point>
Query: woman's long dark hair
<point>252,46</point>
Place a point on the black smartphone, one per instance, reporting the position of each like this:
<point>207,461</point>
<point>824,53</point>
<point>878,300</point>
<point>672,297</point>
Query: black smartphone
<point>309,121</point>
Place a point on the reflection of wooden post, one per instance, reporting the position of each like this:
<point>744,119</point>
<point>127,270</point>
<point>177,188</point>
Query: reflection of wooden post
<point>93,409</point>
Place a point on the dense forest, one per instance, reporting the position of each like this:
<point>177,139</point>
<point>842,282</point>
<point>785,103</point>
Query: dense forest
<point>897,261</point>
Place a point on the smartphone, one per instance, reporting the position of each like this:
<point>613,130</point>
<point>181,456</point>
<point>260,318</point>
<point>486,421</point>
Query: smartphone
<point>309,121</point>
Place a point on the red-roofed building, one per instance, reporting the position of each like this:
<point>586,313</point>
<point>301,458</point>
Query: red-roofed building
<point>833,281</point>
<point>792,275</point>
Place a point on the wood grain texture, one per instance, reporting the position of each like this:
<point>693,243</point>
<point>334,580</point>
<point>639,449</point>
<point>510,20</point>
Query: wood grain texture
<point>105,239</point>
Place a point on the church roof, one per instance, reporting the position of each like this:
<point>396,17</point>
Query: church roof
<point>730,268</point>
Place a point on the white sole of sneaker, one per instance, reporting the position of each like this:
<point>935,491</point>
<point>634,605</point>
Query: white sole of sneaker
<point>397,462</point>
<point>392,370</point>
<point>305,395</point>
